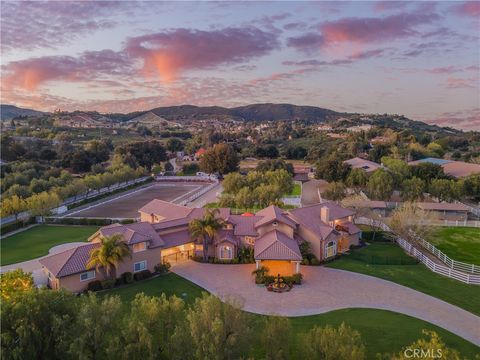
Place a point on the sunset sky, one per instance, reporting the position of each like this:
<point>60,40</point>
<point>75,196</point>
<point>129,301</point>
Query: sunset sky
<point>420,59</point>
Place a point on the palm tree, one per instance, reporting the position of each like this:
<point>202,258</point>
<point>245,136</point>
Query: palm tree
<point>205,229</point>
<point>109,254</point>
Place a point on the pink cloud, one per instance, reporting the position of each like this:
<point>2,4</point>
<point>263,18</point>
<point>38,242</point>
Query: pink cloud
<point>29,74</point>
<point>361,31</point>
<point>461,83</point>
<point>168,53</point>
<point>468,8</point>
<point>367,30</point>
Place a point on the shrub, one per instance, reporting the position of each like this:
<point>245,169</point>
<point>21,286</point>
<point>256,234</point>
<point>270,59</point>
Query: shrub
<point>197,258</point>
<point>297,278</point>
<point>162,268</point>
<point>144,274</point>
<point>119,281</point>
<point>108,284</point>
<point>127,277</point>
<point>315,262</point>
<point>305,262</point>
<point>95,285</point>
<point>260,274</point>
<point>268,279</point>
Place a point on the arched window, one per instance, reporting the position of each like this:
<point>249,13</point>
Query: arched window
<point>330,249</point>
<point>226,252</point>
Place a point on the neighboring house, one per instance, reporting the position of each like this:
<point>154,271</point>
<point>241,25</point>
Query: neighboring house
<point>446,211</point>
<point>163,235</point>
<point>379,207</point>
<point>457,169</point>
<point>366,165</point>
<point>199,153</point>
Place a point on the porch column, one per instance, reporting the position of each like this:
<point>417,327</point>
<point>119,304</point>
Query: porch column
<point>257,263</point>
<point>297,266</point>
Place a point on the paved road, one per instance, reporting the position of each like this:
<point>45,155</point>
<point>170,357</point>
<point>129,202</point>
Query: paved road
<point>326,289</point>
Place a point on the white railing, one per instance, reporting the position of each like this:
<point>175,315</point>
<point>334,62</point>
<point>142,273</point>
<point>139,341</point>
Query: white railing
<point>453,264</point>
<point>467,273</point>
<point>186,178</point>
<point>199,193</point>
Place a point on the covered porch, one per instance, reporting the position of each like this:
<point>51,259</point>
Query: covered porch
<point>277,252</point>
<point>178,253</point>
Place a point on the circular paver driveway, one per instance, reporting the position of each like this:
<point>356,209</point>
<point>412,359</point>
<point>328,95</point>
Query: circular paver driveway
<point>326,289</point>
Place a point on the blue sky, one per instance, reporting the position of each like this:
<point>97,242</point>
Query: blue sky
<point>420,59</point>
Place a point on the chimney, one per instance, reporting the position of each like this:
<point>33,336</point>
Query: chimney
<point>325,214</point>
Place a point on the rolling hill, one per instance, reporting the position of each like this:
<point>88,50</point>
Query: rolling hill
<point>8,112</point>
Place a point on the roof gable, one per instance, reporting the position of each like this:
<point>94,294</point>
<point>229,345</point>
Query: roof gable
<point>275,245</point>
<point>273,213</point>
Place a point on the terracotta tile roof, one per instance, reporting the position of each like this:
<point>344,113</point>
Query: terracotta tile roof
<point>309,216</point>
<point>69,262</point>
<point>275,245</point>
<point>350,227</point>
<point>273,213</point>
<point>453,168</point>
<point>244,225</point>
<point>372,204</point>
<point>359,163</point>
<point>134,233</point>
<point>460,169</point>
<point>177,238</point>
<point>442,206</point>
<point>166,209</point>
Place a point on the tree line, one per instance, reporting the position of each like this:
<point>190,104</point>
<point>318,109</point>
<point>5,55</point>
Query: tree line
<point>411,180</point>
<point>46,324</point>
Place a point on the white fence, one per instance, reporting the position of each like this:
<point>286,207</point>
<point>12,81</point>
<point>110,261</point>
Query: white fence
<point>467,273</point>
<point>79,198</point>
<point>453,264</point>
<point>199,193</point>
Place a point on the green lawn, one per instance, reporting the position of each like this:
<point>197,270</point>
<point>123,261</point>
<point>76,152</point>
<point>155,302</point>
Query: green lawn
<point>382,331</point>
<point>459,243</point>
<point>36,242</point>
<point>170,284</point>
<point>297,190</point>
<point>416,276</point>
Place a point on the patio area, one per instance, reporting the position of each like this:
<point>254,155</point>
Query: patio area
<point>326,289</point>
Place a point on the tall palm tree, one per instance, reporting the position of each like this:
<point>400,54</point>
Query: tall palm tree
<point>205,229</point>
<point>109,254</point>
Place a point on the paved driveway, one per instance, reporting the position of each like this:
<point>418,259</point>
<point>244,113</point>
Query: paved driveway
<point>326,289</point>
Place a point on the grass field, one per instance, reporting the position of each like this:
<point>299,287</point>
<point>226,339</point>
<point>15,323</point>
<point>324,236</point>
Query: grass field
<point>382,331</point>
<point>36,242</point>
<point>170,284</point>
<point>416,276</point>
<point>459,243</point>
<point>297,190</point>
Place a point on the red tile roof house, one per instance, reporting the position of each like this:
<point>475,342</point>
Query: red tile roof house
<point>162,235</point>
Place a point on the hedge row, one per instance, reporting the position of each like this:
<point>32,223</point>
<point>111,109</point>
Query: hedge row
<point>16,225</point>
<point>127,278</point>
<point>86,221</point>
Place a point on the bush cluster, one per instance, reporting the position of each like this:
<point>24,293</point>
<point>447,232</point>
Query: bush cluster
<point>127,278</point>
<point>16,225</point>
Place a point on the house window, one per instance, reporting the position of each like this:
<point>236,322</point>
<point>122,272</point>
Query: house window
<point>87,275</point>
<point>139,247</point>
<point>139,266</point>
<point>330,249</point>
<point>226,252</point>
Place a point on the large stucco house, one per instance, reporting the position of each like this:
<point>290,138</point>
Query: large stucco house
<point>162,235</point>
